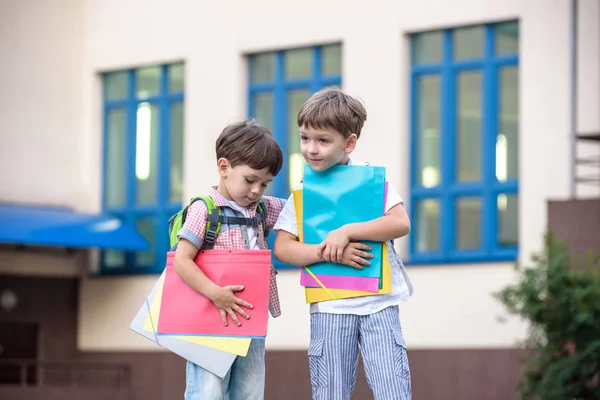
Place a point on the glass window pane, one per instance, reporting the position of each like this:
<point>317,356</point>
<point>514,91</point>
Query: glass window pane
<point>176,167</point>
<point>298,63</point>
<point>469,42</point>
<point>468,223</point>
<point>507,38</point>
<point>427,47</point>
<point>113,259</point>
<point>428,225</point>
<point>332,59</point>
<point>262,104</point>
<point>115,85</point>
<point>176,78</point>
<point>296,99</point>
<point>116,158</point>
<point>469,120</point>
<point>146,226</point>
<point>146,153</point>
<point>507,141</point>
<point>428,130</point>
<point>508,220</point>
<point>147,82</point>
<point>262,68</point>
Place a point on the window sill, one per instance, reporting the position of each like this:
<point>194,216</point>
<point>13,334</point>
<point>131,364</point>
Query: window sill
<point>501,255</point>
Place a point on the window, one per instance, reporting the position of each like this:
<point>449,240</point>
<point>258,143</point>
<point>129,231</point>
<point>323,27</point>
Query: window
<point>464,144</point>
<point>143,158</point>
<point>280,82</point>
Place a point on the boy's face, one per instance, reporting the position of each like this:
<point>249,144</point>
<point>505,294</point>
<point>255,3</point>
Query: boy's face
<point>243,184</point>
<point>324,148</point>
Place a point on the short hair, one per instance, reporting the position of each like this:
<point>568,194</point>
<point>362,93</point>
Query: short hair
<point>249,143</point>
<point>330,108</point>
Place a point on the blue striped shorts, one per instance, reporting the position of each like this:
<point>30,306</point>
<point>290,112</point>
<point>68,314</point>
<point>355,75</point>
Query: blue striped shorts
<point>333,355</point>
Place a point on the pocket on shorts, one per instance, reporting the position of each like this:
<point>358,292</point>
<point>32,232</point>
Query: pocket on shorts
<point>400,356</point>
<point>317,364</point>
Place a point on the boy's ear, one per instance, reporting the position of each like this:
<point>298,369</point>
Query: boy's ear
<point>223,166</point>
<point>351,143</point>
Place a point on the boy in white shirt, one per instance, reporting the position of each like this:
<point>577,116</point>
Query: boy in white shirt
<point>330,124</point>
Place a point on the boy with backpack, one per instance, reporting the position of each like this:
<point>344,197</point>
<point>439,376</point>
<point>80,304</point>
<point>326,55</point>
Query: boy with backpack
<point>234,215</point>
<point>330,123</point>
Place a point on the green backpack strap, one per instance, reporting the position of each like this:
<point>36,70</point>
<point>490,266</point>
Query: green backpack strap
<point>215,219</point>
<point>213,223</point>
<point>176,221</point>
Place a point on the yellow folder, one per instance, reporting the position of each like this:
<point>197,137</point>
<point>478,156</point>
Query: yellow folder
<point>315,295</point>
<point>238,346</point>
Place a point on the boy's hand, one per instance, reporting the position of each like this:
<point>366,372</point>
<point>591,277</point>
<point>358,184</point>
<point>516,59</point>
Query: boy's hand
<point>355,255</point>
<point>332,248</point>
<point>228,304</point>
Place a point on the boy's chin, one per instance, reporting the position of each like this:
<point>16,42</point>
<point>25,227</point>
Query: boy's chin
<point>319,166</point>
<point>244,201</point>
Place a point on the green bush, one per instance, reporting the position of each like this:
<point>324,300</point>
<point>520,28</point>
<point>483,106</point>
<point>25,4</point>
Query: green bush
<point>560,299</point>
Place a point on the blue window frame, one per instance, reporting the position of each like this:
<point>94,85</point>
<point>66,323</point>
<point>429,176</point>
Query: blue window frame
<point>464,144</point>
<point>279,83</point>
<point>143,159</point>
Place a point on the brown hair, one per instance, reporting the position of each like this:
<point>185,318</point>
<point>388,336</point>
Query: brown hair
<point>330,108</point>
<point>249,143</point>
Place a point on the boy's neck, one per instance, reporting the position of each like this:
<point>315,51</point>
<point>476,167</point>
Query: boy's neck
<point>223,190</point>
<point>345,161</point>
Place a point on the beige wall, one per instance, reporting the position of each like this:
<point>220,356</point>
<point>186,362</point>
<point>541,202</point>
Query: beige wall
<point>452,305</point>
<point>40,101</point>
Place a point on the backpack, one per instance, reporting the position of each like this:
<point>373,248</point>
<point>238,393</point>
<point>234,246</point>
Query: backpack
<point>214,221</point>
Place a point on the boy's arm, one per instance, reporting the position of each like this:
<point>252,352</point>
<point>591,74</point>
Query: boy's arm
<point>290,251</point>
<point>274,207</point>
<point>394,224</point>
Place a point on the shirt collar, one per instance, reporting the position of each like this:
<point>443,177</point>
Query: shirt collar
<point>221,201</point>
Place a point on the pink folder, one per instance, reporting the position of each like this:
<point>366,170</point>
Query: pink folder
<point>341,282</point>
<point>183,311</point>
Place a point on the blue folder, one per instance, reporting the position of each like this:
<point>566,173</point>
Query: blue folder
<point>341,195</point>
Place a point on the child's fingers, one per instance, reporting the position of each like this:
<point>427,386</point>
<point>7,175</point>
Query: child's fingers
<point>223,317</point>
<point>234,317</point>
<point>326,255</point>
<point>238,310</point>
<point>339,254</point>
<point>234,288</point>
<point>329,252</point>
<point>363,254</point>
<point>360,246</point>
<point>360,260</point>
<point>243,303</point>
<point>355,265</point>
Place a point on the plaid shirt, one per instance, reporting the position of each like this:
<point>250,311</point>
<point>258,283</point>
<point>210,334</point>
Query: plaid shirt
<point>232,236</point>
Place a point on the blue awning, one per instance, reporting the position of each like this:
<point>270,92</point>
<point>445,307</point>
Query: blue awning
<point>60,227</point>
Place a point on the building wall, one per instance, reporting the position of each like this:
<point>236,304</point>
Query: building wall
<point>51,137</point>
<point>40,102</point>
<point>213,41</point>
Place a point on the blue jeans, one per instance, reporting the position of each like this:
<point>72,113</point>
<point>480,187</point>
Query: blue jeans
<point>245,380</point>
